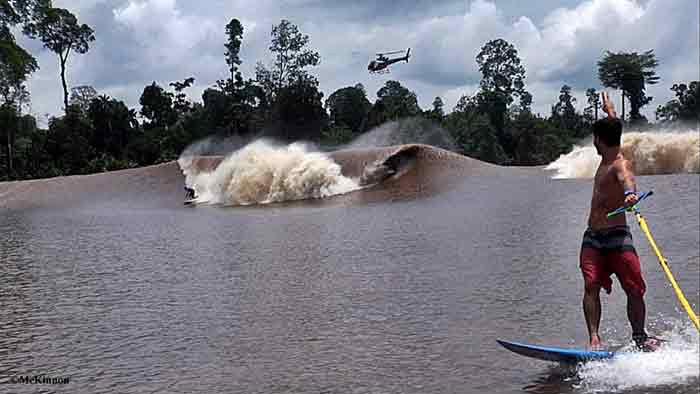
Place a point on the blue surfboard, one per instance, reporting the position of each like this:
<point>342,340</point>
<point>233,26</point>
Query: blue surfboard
<point>561,355</point>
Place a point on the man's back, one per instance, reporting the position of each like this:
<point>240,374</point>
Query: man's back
<point>608,194</point>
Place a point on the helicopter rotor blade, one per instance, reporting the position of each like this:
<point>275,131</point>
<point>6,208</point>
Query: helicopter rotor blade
<point>390,53</point>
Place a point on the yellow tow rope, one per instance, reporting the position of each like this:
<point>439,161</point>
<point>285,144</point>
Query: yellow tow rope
<point>662,260</point>
<point>667,270</point>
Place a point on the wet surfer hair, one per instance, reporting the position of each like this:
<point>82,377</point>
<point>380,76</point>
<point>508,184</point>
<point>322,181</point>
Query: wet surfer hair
<point>608,130</point>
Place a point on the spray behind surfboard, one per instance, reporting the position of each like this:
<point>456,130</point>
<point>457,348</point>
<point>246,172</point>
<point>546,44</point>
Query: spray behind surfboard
<point>676,363</point>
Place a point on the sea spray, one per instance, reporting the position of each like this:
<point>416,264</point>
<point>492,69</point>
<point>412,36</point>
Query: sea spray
<point>262,172</point>
<point>651,153</point>
<point>412,130</point>
<point>676,363</point>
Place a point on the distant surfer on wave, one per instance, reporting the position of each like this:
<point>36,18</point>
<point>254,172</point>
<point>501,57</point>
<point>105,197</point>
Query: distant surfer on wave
<point>189,193</point>
<point>607,246</point>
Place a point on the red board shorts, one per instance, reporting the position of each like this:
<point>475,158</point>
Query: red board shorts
<point>610,251</point>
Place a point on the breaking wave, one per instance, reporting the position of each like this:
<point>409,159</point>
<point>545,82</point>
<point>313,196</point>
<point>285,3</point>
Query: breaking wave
<point>261,173</point>
<point>651,153</point>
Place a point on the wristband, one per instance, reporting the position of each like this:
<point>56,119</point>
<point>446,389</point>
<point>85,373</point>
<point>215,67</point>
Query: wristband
<point>628,192</point>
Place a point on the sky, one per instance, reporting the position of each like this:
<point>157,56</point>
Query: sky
<point>559,42</point>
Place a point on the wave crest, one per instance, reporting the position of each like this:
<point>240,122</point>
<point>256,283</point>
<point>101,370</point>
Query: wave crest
<point>651,153</point>
<point>261,173</point>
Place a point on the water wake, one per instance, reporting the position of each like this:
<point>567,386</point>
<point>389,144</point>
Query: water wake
<point>651,153</point>
<point>261,173</point>
<point>675,364</point>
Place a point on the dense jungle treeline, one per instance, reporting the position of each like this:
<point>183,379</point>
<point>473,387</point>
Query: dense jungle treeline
<point>282,100</point>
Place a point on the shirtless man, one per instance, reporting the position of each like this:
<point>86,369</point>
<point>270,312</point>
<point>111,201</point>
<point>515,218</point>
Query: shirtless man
<point>607,243</point>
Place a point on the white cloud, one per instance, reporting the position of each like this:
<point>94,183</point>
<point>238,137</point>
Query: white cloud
<point>139,41</point>
<point>563,49</point>
<point>163,30</point>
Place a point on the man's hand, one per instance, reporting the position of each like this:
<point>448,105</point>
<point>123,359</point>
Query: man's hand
<point>631,199</point>
<point>608,106</point>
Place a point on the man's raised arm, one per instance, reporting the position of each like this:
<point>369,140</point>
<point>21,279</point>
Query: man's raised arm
<point>608,106</point>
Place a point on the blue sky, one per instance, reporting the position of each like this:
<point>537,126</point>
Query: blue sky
<point>141,41</point>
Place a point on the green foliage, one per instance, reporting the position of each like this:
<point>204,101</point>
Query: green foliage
<point>181,105</point>
<point>394,101</point>
<point>438,112</point>
<point>218,110</point>
<point>630,72</point>
<point>100,133</point>
<point>292,57</point>
<point>685,107</point>
<point>473,132</point>
<point>82,96</point>
<point>31,159</point>
<point>60,32</point>
<point>565,106</point>
<point>15,66</point>
<point>114,125</point>
<point>348,107</point>
<point>8,13</point>
<point>105,162</point>
<point>234,35</point>
<point>525,103</point>
<point>502,73</point>
<point>287,96</point>
<point>13,12</point>
<point>539,141</point>
<point>239,105</point>
<point>476,136</point>
<point>563,112</point>
<point>503,77</point>
<point>532,140</point>
<point>68,142</point>
<point>336,135</point>
<point>15,63</point>
<point>157,107</point>
<point>13,92</point>
<point>593,99</point>
<point>172,121</point>
<point>298,112</point>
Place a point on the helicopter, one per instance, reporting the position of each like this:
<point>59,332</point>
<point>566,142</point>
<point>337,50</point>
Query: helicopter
<point>380,65</point>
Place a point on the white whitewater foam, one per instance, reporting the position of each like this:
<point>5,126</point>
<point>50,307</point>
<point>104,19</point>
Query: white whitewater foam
<point>651,153</point>
<point>676,363</point>
<point>261,173</point>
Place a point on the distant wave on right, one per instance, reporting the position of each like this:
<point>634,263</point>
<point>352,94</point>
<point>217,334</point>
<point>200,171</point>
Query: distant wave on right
<point>651,153</point>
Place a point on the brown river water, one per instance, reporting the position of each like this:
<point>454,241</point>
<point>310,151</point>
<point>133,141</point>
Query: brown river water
<point>399,284</point>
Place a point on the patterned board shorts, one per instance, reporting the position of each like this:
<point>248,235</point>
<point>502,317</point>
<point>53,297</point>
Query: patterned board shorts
<point>611,251</point>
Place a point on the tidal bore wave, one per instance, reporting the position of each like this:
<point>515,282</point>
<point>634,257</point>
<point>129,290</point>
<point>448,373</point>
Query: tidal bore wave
<point>262,172</point>
<point>651,153</point>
